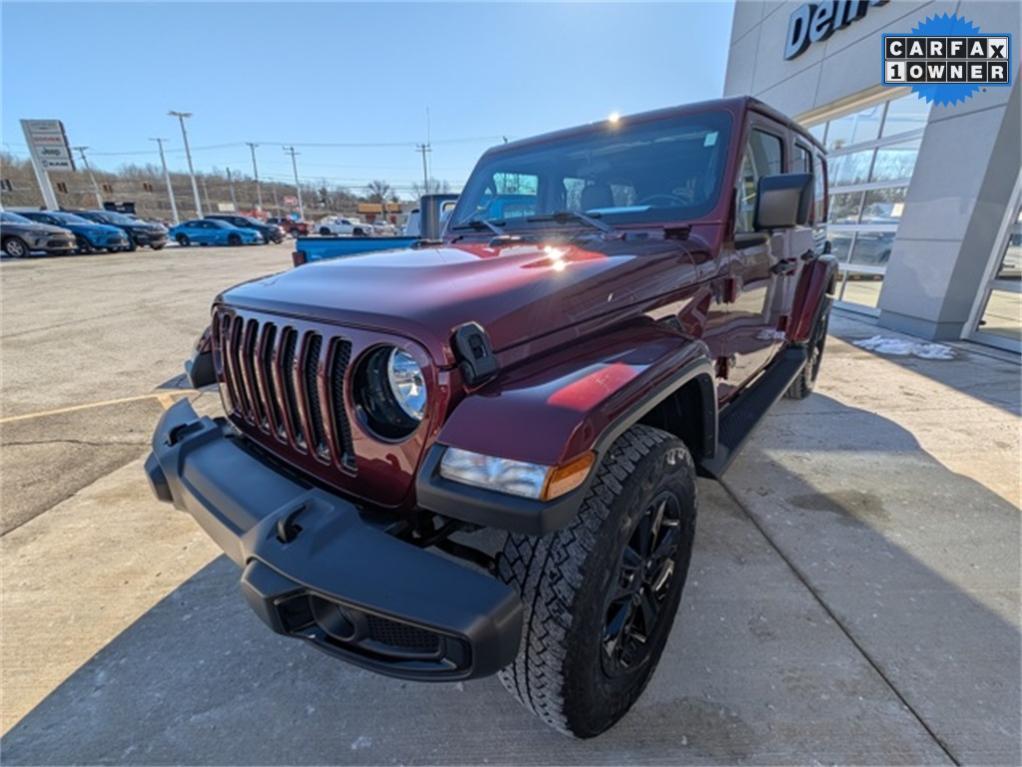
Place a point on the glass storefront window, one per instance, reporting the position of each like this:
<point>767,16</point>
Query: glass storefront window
<point>864,221</point>
<point>895,162</point>
<point>844,208</point>
<point>884,206</point>
<point>872,248</point>
<point>906,114</point>
<point>851,168</point>
<point>862,289</point>
<point>1003,315</point>
<point>1011,264</point>
<point>840,245</point>
<point>855,128</point>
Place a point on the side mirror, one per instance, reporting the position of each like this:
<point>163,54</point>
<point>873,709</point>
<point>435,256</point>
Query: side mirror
<point>783,201</point>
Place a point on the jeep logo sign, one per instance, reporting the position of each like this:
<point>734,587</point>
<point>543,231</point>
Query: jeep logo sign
<point>815,22</point>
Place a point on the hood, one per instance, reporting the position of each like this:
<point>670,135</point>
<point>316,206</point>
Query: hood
<point>518,292</point>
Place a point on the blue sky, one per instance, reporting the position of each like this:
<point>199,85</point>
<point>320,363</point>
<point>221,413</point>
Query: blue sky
<point>352,74</point>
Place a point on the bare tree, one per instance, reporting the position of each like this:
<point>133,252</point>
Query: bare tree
<point>433,186</point>
<point>378,191</point>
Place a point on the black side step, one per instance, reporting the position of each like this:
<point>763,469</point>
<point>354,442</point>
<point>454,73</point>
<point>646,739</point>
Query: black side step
<point>741,417</point>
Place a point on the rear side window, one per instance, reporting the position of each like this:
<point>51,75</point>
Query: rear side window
<point>820,188</point>
<point>764,156</point>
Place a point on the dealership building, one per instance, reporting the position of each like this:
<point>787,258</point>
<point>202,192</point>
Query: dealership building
<point>924,200</point>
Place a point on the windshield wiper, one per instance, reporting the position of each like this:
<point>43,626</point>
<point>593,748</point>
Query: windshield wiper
<point>564,216</point>
<point>481,223</point>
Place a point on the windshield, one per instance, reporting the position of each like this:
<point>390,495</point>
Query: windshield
<point>661,170</point>
<point>13,218</point>
<point>112,217</point>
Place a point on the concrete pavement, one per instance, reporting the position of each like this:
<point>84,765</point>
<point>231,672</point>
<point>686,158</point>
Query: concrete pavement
<point>853,594</point>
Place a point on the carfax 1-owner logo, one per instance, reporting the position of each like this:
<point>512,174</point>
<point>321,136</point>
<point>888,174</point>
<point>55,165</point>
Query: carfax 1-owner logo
<point>946,59</point>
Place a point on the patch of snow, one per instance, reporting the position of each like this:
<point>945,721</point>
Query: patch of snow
<point>361,742</point>
<point>900,347</point>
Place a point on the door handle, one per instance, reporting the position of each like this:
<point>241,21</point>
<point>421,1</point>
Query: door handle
<point>784,266</point>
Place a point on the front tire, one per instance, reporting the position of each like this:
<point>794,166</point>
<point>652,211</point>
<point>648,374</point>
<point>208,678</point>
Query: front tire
<point>84,248</point>
<point>601,594</point>
<point>233,240</point>
<point>15,247</point>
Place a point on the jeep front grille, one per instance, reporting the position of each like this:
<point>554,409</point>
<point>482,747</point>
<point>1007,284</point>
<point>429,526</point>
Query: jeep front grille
<point>287,383</point>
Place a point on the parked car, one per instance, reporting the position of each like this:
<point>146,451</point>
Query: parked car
<point>206,231</point>
<point>559,377</point>
<point>89,236</point>
<point>384,229</point>
<point>270,232</point>
<point>294,227</point>
<point>341,225</point>
<point>140,233</point>
<point>20,237</point>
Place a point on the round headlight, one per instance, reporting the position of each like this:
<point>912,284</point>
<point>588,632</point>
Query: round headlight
<point>389,388</point>
<point>407,383</point>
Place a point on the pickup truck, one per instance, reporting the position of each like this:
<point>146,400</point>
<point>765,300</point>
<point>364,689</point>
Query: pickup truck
<point>341,225</point>
<point>557,376</point>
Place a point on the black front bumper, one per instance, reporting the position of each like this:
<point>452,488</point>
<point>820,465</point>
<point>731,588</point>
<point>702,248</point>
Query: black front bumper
<point>316,569</point>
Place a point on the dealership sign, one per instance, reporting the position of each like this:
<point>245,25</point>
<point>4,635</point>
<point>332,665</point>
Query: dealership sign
<point>945,59</point>
<point>815,22</point>
<point>47,142</point>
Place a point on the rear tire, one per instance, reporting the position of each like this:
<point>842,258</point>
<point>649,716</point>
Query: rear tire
<point>183,241</point>
<point>324,231</point>
<point>803,386</point>
<point>598,605</point>
<point>15,247</point>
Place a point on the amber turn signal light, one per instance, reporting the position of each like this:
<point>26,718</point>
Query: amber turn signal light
<point>564,479</point>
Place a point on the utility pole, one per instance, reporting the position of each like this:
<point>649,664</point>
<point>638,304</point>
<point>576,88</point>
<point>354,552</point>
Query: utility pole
<point>188,154</point>
<point>166,177</point>
<point>230,184</point>
<point>85,162</point>
<point>294,166</point>
<point>255,172</point>
<point>276,202</point>
<point>424,148</point>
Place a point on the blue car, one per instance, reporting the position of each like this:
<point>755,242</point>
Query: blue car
<point>208,231</point>
<point>89,235</point>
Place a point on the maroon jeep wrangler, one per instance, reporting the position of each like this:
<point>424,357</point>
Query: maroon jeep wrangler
<point>611,311</point>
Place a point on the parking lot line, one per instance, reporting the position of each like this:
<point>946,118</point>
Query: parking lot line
<point>166,400</point>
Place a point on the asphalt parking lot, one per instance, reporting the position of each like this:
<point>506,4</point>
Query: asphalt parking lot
<point>854,593</point>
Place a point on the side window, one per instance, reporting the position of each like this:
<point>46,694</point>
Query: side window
<point>803,160</point>
<point>804,164</point>
<point>763,156</point>
<point>820,189</point>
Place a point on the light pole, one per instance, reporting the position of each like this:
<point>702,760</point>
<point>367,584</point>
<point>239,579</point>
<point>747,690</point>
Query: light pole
<point>255,173</point>
<point>230,184</point>
<point>85,162</point>
<point>298,187</point>
<point>166,176</point>
<point>188,155</point>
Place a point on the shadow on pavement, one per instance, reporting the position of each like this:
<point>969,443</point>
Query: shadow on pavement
<point>756,671</point>
<point>918,563</point>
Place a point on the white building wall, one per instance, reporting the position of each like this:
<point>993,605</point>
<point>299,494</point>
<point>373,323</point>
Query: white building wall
<point>967,165</point>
